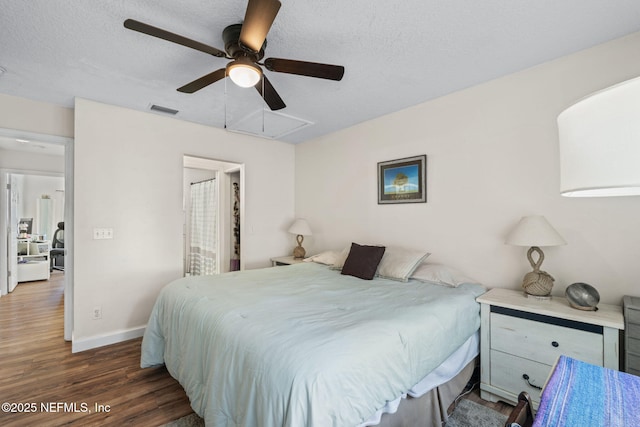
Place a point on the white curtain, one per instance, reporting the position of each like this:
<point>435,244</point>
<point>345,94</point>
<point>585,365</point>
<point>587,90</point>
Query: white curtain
<point>203,245</point>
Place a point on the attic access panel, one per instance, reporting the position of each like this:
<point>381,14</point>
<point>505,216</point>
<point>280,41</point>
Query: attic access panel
<point>265,123</point>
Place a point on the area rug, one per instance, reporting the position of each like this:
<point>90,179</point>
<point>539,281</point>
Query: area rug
<point>191,420</point>
<point>469,413</point>
<point>466,414</point>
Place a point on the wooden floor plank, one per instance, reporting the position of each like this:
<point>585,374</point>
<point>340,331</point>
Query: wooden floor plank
<point>37,366</point>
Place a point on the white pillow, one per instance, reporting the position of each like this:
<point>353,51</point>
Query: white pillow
<point>341,258</point>
<point>326,257</point>
<point>396,264</point>
<point>399,263</point>
<point>440,274</point>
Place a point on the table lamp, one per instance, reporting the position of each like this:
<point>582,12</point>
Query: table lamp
<point>535,231</point>
<point>600,143</point>
<point>301,228</point>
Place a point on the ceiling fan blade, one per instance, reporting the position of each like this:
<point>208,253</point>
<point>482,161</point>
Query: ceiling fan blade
<point>302,68</point>
<point>203,81</point>
<point>270,95</point>
<point>141,27</point>
<point>257,22</point>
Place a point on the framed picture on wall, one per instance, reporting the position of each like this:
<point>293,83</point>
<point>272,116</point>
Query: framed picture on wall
<point>403,180</point>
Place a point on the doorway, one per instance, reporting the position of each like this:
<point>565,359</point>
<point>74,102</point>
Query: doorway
<point>35,208</point>
<point>216,185</point>
<point>28,153</point>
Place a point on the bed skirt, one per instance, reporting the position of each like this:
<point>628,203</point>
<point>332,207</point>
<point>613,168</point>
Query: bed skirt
<point>430,409</point>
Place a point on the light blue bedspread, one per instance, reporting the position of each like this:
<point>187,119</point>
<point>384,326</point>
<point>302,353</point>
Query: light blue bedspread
<point>302,345</point>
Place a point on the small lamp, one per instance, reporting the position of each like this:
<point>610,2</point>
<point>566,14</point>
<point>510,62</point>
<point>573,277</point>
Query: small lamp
<point>535,231</point>
<point>301,228</point>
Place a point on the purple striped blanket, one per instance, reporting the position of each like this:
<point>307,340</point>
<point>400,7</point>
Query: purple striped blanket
<point>585,395</point>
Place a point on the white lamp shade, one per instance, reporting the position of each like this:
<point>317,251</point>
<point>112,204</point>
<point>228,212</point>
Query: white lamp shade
<point>600,143</point>
<point>300,226</point>
<point>534,230</point>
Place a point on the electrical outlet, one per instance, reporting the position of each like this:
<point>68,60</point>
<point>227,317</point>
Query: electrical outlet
<point>97,312</point>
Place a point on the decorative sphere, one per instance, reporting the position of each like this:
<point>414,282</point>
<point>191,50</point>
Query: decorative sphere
<point>582,296</point>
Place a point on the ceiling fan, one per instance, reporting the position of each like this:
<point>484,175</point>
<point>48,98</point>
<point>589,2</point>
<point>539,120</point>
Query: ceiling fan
<point>244,44</point>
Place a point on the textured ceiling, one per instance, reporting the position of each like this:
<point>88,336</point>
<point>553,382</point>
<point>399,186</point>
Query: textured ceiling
<point>396,53</point>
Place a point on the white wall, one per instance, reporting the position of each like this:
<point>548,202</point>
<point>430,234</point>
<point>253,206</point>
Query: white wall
<point>492,158</point>
<point>128,176</point>
<point>24,161</point>
<point>24,115</point>
<point>35,186</point>
<point>34,116</point>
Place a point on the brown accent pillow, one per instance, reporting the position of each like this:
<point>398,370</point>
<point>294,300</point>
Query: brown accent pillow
<point>363,261</point>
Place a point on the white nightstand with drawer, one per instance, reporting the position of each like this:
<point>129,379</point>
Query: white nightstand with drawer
<point>285,260</point>
<point>521,338</point>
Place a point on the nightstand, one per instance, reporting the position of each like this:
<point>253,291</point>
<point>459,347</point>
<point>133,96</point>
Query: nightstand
<point>521,339</point>
<point>285,260</point>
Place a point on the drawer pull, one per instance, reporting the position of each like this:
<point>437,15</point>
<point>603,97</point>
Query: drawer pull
<point>526,378</point>
<point>555,343</point>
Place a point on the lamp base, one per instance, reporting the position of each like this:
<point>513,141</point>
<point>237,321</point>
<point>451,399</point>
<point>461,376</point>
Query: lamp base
<point>538,297</point>
<point>537,283</point>
<point>298,251</point>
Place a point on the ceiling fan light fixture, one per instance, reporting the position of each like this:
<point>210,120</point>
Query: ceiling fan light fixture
<point>244,44</point>
<point>243,72</point>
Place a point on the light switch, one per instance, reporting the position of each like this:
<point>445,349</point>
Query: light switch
<point>102,233</point>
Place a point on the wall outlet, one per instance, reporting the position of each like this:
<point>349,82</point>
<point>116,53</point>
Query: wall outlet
<point>97,312</point>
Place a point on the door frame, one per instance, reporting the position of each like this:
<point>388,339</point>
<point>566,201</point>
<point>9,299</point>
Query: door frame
<point>11,255</point>
<point>68,212</point>
<point>223,167</point>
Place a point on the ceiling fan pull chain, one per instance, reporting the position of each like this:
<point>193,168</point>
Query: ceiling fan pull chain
<point>225,103</point>
<point>263,104</point>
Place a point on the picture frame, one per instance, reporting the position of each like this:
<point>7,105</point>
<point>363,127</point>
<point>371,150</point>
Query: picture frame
<point>403,180</point>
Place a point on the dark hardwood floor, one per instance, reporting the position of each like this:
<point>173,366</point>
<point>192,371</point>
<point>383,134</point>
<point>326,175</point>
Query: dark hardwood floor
<point>102,387</point>
<point>38,372</point>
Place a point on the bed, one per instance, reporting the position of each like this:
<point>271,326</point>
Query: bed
<point>304,345</point>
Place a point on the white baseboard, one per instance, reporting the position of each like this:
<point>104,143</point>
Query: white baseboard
<point>78,345</point>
